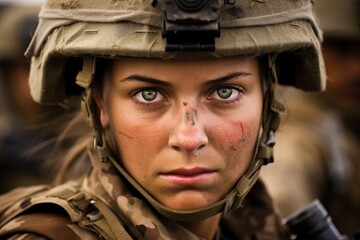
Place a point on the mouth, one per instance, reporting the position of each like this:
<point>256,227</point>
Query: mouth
<point>188,176</point>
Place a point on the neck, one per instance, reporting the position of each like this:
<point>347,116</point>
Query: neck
<point>205,229</point>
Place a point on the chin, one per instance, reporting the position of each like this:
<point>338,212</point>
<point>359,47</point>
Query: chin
<point>188,201</point>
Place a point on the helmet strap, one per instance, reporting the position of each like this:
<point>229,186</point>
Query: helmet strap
<point>270,123</point>
<point>89,108</point>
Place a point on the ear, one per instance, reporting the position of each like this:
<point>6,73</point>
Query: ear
<point>104,119</point>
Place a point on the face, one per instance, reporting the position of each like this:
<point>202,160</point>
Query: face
<point>185,129</point>
<point>342,61</point>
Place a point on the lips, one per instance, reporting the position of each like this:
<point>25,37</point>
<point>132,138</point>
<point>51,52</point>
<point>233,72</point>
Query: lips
<point>188,176</point>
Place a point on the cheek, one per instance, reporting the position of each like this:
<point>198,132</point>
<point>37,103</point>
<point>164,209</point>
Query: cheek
<point>137,139</point>
<point>239,135</point>
<point>237,140</point>
<point>242,149</point>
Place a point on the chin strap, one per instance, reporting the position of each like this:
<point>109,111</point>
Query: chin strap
<point>233,200</point>
<point>89,108</point>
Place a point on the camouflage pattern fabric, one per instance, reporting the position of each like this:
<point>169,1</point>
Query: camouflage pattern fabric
<point>39,213</point>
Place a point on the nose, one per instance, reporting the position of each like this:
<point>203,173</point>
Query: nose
<point>189,134</point>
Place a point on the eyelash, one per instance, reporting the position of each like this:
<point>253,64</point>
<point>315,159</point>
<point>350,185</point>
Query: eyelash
<point>212,91</point>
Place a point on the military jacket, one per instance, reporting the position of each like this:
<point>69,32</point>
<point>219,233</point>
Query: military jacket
<point>102,206</point>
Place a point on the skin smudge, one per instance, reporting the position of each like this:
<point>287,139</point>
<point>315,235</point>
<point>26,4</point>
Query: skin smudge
<point>190,116</point>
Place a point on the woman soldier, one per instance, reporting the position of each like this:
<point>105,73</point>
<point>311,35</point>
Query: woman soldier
<point>180,95</point>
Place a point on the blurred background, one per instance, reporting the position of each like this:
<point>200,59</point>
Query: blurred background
<point>31,135</point>
<point>317,154</point>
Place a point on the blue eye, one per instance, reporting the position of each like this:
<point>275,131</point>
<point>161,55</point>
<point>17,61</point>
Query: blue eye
<point>226,93</point>
<point>149,95</point>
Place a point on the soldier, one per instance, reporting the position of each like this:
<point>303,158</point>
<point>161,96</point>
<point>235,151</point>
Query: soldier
<point>319,143</point>
<point>180,95</point>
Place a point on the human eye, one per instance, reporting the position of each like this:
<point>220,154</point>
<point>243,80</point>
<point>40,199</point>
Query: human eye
<point>226,94</point>
<point>148,96</point>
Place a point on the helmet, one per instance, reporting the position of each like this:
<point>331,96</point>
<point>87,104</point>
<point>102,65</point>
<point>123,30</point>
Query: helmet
<point>70,30</point>
<point>133,28</point>
<point>339,18</point>
<point>17,26</point>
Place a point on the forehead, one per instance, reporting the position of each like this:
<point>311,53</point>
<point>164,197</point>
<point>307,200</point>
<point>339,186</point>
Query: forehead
<point>186,73</point>
<point>210,65</point>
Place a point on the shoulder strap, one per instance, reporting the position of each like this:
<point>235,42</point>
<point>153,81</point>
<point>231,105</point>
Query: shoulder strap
<point>7,200</point>
<point>17,200</point>
<point>87,212</point>
<point>98,215</point>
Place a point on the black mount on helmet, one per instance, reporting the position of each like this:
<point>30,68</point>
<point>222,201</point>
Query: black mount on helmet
<point>190,25</point>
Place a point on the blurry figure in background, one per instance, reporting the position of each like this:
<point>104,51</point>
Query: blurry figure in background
<point>27,129</point>
<point>318,144</point>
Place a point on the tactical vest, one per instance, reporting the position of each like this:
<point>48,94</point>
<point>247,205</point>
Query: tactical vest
<point>87,212</point>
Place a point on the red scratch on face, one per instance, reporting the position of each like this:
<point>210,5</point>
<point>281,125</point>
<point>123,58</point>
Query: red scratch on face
<point>128,136</point>
<point>243,138</point>
<point>242,128</point>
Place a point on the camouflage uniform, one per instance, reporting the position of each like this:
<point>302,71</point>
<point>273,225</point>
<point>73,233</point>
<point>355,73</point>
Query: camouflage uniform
<point>41,216</point>
<point>108,203</point>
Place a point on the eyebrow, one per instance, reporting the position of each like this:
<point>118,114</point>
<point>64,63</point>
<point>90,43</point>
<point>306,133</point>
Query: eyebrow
<point>228,77</point>
<point>146,79</point>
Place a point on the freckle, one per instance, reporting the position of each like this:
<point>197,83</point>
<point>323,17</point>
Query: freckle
<point>233,148</point>
<point>128,136</point>
<point>185,104</point>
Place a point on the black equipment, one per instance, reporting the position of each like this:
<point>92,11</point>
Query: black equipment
<point>313,223</point>
<point>190,25</point>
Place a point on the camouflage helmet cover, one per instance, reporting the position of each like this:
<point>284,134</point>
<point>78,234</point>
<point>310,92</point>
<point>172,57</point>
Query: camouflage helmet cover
<point>80,28</point>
